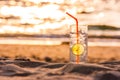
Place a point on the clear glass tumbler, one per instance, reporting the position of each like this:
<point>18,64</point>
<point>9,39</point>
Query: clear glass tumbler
<point>78,43</point>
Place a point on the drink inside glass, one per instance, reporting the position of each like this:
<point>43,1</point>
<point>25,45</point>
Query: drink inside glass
<point>78,43</point>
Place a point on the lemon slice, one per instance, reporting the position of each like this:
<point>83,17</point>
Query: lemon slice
<point>78,49</point>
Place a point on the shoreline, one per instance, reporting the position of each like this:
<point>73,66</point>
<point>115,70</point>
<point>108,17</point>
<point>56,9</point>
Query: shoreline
<point>57,41</point>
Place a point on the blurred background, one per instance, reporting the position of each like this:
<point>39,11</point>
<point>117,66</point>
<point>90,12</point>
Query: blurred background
<point>47,18</point>
<point>44,22</point>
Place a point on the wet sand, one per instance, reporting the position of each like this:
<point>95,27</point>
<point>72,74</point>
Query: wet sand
<point>58,53</point>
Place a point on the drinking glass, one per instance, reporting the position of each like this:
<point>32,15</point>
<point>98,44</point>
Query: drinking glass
<point>78,43</point>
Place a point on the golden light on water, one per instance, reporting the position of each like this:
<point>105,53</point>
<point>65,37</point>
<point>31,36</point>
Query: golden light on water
<point>51,1</point>
<point>28,14</point>
<point>38,14</point>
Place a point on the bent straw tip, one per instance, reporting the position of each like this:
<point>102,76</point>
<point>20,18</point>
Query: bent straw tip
<point>67,13</point>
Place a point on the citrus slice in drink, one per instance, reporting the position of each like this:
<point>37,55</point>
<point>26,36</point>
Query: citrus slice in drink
<point>77,49</point>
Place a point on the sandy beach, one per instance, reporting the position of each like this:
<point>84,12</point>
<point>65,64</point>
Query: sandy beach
<point>30,70</point>
<point>57,53</point>
<point>45,62</point>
